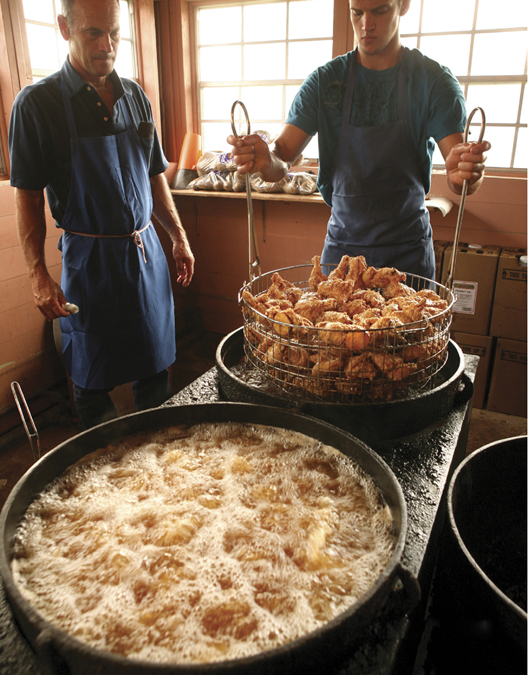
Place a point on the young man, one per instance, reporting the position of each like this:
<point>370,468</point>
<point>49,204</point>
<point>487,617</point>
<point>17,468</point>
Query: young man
<point>88,137</point>
<point>377,110</point>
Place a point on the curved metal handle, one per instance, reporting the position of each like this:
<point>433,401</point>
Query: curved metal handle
<point>449,281</point>
<point>233,127</point>
<point>27,419</point>
<point>254,264</point>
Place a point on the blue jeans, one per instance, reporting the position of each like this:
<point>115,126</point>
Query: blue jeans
<point>95,406</point>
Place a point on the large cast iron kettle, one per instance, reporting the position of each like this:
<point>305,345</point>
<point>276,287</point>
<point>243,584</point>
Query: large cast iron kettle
<point>313,653</point>
<point>487,537</point>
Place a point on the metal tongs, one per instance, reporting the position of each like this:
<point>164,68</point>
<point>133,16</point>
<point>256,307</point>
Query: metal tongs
<point>254,257</point>
<point>27,419</point>
<point>449,281</point>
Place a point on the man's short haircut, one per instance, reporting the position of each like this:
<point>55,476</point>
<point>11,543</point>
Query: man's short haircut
<point>67,9</point>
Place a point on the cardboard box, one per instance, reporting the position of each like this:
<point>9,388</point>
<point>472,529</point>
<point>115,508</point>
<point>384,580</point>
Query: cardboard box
<point>507,392</point>
<point>508,318</point>
<point>474,286</point>
<point>482,346</point>
<point>439,249</point>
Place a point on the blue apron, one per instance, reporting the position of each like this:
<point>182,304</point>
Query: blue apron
<point>378,202</point>
<point>125,328</point>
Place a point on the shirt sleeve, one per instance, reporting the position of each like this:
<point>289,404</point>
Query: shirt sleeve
<point>447,112</point>
<point>304,108</point>
<point>28,139</point>
<point>158,162</point>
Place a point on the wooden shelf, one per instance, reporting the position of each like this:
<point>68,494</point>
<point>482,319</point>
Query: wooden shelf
<point>257,196</point>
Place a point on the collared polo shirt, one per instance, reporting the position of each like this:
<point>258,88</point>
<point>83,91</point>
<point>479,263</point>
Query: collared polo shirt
<point>39,138</point>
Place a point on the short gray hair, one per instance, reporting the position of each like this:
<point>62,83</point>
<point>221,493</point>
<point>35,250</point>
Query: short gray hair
<point>67,9</point>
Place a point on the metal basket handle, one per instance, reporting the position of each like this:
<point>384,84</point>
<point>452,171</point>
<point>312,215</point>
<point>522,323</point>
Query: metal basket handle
<point>27,419</point>
<point>449,281</point>
<point>254,257</point>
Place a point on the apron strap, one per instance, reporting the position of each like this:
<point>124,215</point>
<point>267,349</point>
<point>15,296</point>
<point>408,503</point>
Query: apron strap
<point>136,237</point>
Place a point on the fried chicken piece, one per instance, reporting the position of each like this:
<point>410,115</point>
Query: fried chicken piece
<point>253,302</point>
<point>287,355</point>
<point>393,367</point>
<point>373,277</point>
<point>367,318</point>
<point>340,289</point>
<point>344,335</point>
<point>284,316</point>
<point>396,289</point>
<point>312,307</point>
<point>340,272</point>
<point>372,298</point>
<point>328,365</point>
<point>360,366</point>
<point>341,317</point>
<point>293,294</point>
<point>354,307</point>
<point>356,267</point>
<point>316,276</point>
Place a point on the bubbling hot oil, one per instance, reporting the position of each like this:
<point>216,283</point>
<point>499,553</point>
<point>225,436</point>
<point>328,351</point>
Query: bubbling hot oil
<point>202,544</point>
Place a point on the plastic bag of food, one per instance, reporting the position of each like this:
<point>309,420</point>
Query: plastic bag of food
<point>299,183</point>
<point>215,161</point>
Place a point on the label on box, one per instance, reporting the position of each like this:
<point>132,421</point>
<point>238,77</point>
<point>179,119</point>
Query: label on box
<point>514,275</point>
<point>473,349</point>
<point>516,357</point>
<point>466,293</point>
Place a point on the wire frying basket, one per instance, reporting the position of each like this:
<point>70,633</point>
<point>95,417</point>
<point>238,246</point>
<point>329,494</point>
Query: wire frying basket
<point>349,365</point>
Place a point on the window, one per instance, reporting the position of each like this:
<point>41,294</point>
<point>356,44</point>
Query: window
<point>47,49</point>
<point>260,54</point>
<point>487,54</point>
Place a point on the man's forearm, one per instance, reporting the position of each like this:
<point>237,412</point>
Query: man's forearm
<point>165,210</point>
<point>31,226</point>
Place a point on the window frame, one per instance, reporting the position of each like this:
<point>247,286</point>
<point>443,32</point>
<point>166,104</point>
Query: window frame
<point>467,80</point>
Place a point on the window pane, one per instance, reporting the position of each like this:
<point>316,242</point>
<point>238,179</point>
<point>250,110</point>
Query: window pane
<point>304,57</point>
<point>218,101</point>
<point>125,19</point>
<point>499,54</point>
<point>218,26</point>
<point>42,43</point>
<point>264,22</point>
<point>447,15</point>
<point>500,102</point>
<point>501,139</point>
<point>410,42</point>
<point>311,151</point>
<point>521,152</point>
<point>311,19</point>
<point>39,10</point>
<point>489,17</point>
<point>214,136</point>
<point>264,62</point>
<point>125,61</point>
<point>263,103</point>
<point>219,64</point>
<point>456,58</point>
<point>410,22</point>
<point>524,111</point>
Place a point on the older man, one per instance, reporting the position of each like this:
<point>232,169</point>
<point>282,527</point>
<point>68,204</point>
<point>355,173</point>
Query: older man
<point>88,138</point>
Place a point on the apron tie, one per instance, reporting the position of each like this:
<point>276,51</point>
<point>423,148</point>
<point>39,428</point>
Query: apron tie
<point>136,236</point>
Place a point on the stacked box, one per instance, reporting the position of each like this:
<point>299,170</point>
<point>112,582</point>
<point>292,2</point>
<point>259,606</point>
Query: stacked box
<point>508,318</point>
<point>439,249</point>
<point>479,345</point>
<point>507,393</point>
<point>474,286</point>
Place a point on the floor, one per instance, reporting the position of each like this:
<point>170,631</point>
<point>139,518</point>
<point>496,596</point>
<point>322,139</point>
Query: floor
<point>196,354</point>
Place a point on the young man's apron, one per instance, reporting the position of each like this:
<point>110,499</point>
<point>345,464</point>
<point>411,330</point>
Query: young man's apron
<point>378,197</point>
<point>125,329</point>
